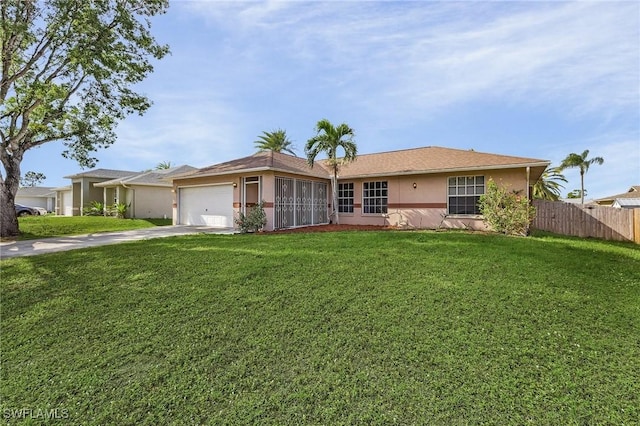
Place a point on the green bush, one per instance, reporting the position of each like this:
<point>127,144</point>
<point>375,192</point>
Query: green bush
<point>95,208</point>
<point>118,210</point>
<point>505,211</point>
<point>253,221</point>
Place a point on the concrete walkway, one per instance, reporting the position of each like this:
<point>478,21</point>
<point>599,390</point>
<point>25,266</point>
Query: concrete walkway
<point>49,245</point>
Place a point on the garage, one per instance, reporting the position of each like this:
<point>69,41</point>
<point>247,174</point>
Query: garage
<point>210,205</point>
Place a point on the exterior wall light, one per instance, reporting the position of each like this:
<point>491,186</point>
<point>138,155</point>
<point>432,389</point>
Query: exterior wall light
<point>415,185</point>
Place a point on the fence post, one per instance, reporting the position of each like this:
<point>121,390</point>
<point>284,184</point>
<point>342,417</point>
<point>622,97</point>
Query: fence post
<point>636,226</point>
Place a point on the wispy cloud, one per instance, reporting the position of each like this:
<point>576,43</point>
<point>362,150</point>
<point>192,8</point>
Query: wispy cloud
<point>423,57</point>
<point>186,128</point>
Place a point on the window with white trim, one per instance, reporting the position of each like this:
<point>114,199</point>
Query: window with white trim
<point>464,194</point>
<point>374,197</point>
<point>345,197</point>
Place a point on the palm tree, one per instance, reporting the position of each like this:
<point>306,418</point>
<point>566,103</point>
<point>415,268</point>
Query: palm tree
<point>580,161</point>
<point>164,165</point>
<point>548,186</point>
<point>328,139</point>
<point>276,141</point>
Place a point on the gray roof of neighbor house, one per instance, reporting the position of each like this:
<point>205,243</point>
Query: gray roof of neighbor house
<point>589,201</point>
<point>261,161</point>
<point>633,192</point>
<point>628,202</point>
<point>36,191</point>
<point>403,162</point>
<point>102,174</point>
<point>161,177</point>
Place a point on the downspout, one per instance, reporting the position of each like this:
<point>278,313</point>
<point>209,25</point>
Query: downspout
<point>133,200</point>
<point>528,183</point>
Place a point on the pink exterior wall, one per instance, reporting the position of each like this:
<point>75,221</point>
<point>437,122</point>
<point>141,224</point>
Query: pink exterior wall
<point>422,207</point>
<point>425,206</point>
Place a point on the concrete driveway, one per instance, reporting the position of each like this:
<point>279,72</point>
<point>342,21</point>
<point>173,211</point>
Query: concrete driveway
<point>49,245</point>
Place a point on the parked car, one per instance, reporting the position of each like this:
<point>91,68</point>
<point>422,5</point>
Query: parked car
<point>41,210</point>
<point>26,211</point>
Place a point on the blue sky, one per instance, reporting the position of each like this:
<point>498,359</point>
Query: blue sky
<point>529,79</point>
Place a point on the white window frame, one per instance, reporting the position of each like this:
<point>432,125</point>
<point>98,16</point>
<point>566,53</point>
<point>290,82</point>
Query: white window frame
<point>379,186</point>
<point>350,199</point>
<point>465,187</point>
<point>246,181</point>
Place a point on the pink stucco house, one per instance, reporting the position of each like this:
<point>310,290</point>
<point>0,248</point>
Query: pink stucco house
<point>427,187</point>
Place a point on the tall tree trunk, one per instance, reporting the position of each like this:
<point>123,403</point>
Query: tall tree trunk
<point>8,189</point>
<point>581,187</point>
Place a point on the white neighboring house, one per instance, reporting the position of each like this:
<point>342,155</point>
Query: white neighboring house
<point>42,197</point>
<point>147,194</point>
<point>626,203</point>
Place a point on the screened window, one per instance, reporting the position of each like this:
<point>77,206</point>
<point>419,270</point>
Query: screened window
<point>374,197</point>
<point>464,194</point>
<point>345,197</point>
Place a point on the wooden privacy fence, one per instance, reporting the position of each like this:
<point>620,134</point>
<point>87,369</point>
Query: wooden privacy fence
<point>604,222</point>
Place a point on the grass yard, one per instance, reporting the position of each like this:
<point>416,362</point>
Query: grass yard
<point>34,227</point>
<point>327,328</point>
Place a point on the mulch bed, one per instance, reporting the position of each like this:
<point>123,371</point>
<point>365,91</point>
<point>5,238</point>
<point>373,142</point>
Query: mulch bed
<point>334,228</point>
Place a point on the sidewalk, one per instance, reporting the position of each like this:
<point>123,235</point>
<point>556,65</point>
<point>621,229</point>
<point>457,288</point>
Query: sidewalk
<point>10,249</point>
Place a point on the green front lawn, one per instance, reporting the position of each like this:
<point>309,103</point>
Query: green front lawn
<point>34,227</point>
<point>326,328</point>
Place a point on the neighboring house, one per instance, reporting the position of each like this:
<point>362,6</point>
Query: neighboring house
<point>84,191</point>
<point>633,192</point>
<point>626,203</point>
<point>37,196</point>
<point>146,194</point>
<point>426,187</point>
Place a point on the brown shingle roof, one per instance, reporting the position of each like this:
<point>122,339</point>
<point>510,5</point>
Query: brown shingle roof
<point>431,159</point>
<point>409,161</point>
<point>265,160</point>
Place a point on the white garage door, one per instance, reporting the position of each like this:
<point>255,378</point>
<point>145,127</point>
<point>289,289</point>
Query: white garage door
<point>67,203</point>
<point>207,206</point>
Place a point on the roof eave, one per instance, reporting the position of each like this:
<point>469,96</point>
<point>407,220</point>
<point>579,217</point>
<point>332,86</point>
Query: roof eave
<point>245,171</point>
<point>125,184</point>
